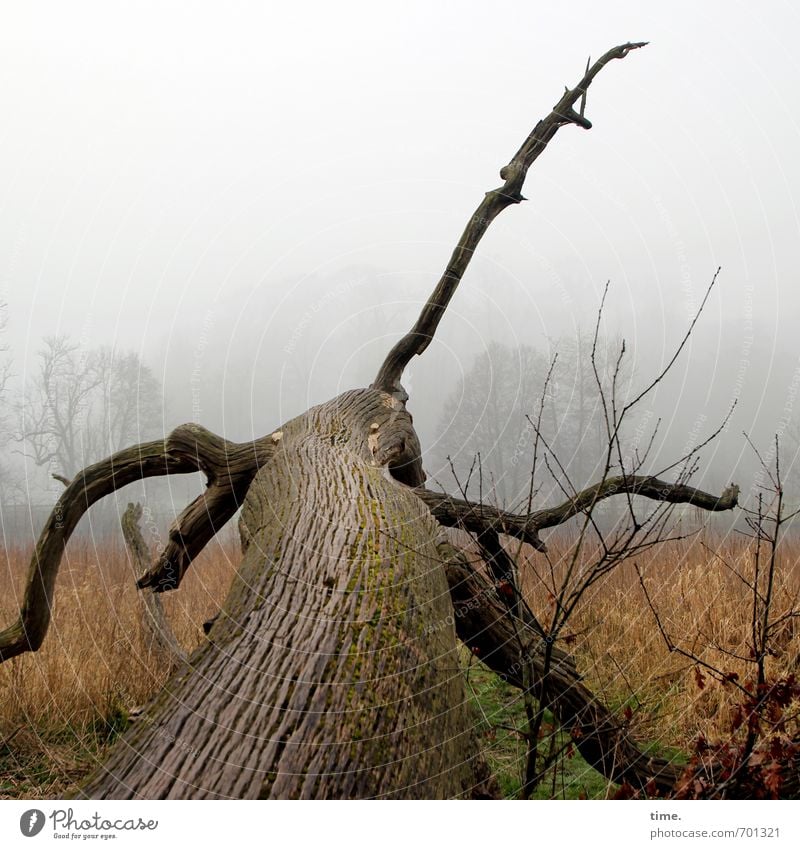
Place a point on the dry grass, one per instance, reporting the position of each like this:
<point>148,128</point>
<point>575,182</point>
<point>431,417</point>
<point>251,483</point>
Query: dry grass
<point>704,608</point>
<point>61,706</point>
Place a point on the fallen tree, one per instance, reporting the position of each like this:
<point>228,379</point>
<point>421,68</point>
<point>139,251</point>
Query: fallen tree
<point>327,673</point>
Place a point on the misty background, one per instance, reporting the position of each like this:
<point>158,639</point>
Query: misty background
<point>228,213</point>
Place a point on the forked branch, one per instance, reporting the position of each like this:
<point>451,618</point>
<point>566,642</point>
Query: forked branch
<point>229,468</point>
<point>494,202</point>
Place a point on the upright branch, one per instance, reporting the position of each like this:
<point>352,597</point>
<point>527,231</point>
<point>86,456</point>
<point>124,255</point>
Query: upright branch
<point>154,618</point>
<point>495,201</point>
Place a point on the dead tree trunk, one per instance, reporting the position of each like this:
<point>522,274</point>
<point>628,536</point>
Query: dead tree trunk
<point>331,671</point>
<point>318,679</point>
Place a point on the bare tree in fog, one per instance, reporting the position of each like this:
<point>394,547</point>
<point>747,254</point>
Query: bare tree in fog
<point>82,405</point>
<point>489,413</point>
<point>8,484</point>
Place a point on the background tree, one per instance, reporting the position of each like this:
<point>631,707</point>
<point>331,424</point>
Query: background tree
<point>85,404</point>
<point>489,413</point>
<point>8,484</point>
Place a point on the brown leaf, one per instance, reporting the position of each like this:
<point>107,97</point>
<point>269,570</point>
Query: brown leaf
<point>699,678</point>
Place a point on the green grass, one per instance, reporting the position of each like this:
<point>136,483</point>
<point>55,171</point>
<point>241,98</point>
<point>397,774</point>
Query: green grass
<point>500,707</point>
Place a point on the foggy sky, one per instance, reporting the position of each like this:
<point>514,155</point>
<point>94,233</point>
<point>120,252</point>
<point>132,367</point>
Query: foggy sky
<point>258,198</point>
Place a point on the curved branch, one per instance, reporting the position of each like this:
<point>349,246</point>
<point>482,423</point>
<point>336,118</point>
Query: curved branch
<point>644,485</point>
<point>90,485</point>
<point>229,466</point>
<point>494,202</point>
<point>475,517</point>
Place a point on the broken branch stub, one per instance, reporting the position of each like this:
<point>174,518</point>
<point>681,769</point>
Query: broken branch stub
<point>154,619</point>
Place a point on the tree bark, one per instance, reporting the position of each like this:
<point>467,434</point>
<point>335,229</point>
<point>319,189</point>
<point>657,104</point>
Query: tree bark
<point>319,678</point>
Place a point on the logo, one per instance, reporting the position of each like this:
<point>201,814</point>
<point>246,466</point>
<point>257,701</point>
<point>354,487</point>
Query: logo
<point>31,822</point>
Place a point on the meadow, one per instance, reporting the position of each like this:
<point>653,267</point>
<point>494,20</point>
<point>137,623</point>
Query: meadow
<point>61,707</point>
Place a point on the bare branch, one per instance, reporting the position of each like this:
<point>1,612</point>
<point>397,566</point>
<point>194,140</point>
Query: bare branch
<point>485,625</point>
<point>230,468</point>
<point>419,337</point>
<point>475,517</point>
<point>686,336</point>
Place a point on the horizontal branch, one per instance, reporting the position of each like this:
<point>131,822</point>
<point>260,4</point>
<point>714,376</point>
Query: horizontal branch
<point>494,202</point>
<point>643,485</point>
<point>475,517</point>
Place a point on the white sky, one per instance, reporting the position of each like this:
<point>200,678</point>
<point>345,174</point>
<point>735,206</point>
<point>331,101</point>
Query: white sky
<point>190,179</point>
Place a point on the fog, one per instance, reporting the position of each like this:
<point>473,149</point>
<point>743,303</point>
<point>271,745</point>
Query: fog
<point>257,199</point>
